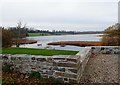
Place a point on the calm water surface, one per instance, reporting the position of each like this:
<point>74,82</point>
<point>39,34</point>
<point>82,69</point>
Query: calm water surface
<point>46,39</point>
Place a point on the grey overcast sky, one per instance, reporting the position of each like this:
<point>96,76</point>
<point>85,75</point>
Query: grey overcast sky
<point>77,15</point>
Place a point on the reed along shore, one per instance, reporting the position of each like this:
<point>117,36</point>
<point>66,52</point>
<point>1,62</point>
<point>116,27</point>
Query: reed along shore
<point>76,43</point>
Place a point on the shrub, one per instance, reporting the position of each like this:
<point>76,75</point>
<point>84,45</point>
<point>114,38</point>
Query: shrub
<point>6,38</point>
<point>111,36</point>
<point>36,75</point>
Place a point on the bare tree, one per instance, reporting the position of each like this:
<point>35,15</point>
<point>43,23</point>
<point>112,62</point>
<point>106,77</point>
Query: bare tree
<point>21,32</point>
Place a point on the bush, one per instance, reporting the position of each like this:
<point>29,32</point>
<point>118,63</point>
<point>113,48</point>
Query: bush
<point>111,36</point>
<point>7,68</point>
<point>36,75</point>
<point>6,38</point>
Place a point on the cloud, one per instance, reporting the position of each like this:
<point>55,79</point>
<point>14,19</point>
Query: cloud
<point>60,1</point>
<point>60,12</point>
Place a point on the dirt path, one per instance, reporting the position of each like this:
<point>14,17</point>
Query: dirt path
<point>102,68</point>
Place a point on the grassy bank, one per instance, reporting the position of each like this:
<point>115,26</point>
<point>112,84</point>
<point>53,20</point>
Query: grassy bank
<point>0,50</point>
<point>38,34</point>
<point>32,51</point>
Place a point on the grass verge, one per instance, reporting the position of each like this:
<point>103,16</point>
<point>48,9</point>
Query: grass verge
<point>38,34</point>
<point>0,50</point>
<point>32,51</point>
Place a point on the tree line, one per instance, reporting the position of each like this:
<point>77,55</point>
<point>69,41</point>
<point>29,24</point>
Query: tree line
<point>61,32</point>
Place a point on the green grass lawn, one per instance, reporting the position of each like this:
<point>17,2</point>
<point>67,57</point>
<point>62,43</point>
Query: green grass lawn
<point>37,34</point>
<point>34,34</point>
<point>0,50</point>
<point>32,51</point>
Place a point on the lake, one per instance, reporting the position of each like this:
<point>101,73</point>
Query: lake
<point>43,40</point>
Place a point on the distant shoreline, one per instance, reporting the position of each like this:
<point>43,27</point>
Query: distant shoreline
<point>48,34</point>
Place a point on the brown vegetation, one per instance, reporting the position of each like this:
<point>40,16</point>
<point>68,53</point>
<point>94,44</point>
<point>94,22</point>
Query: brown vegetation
<point>77,43</point>
<point>14,35</point>
<point>6,38</point>
<point>111,36</point>
<point>23,41</point>
<point>11,76</point>
<point>17,78</point>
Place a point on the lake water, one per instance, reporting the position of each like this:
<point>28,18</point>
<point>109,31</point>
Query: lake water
<point>46,39</point>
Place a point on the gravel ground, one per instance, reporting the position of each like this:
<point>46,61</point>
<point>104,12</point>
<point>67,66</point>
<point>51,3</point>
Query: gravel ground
<point>102,68</point>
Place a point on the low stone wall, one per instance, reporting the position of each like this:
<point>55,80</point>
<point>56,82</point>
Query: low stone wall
<point>63,67</point>
<point>106,49</point>
<point>60,66</point>
<point>85,55</point>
